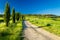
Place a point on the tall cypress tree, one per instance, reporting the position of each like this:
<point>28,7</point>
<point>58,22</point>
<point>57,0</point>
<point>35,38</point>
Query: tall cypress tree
<point>13,15</point>
<point>7,14</point>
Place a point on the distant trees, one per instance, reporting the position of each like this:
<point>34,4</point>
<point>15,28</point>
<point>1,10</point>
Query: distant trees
<point>7,14</point>
<point>23,17</point>
<point>13,15</point>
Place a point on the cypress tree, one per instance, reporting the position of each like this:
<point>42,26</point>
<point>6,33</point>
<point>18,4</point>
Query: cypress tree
<point>7,14</point>
<point>13,15</point>
<point>17,16</point>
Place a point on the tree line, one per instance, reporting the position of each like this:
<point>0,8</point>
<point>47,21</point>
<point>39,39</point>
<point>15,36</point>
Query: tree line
<point>7,15</point>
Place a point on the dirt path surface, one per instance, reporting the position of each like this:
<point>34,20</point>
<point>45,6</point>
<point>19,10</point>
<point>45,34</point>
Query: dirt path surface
<point>31,32</point>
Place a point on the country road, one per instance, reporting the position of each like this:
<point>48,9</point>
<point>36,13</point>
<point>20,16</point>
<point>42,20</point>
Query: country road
<point>32,32</point>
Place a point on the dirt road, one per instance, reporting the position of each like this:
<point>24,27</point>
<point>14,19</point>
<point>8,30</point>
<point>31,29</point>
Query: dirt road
<point>31,32</point>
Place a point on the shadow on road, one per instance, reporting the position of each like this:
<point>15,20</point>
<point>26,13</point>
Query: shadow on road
<point>24,27</point>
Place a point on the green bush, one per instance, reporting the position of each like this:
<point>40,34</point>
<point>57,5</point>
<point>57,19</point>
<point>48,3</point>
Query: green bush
<point>48,25</point>
<point>36,22</point>
<point>5,32</point>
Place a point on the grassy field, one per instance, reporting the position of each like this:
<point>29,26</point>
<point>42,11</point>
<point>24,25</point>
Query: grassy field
<point>50,24</point>
<point>12,32</point>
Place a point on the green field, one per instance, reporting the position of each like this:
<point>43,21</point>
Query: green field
<point>12,32</point>
<point>50,24</point>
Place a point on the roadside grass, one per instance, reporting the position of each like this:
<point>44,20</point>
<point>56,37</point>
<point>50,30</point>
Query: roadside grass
<point>11,32</point>
<point>1,18</point>
<point>48,24</point>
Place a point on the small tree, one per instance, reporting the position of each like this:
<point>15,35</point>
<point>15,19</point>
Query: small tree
<point>17,16</point>
<point>23,17</point>
<point>13,15</point>
<point>7,14</point>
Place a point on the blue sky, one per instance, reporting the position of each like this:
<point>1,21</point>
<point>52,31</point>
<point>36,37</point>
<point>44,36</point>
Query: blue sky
<point>33,6</point>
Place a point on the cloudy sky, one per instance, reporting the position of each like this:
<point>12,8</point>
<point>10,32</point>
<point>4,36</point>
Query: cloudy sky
<point>33,6</point>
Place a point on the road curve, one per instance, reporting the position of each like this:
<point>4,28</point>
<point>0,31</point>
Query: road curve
<point>31,32</point>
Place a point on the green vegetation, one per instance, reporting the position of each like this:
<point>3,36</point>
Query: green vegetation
<point>17,16</point>
<point>48,22</point>
<point>11,24</point>
<point>10,29</point>
<point>12,32</point>
<point>7,14</point>
<point>13,15</point>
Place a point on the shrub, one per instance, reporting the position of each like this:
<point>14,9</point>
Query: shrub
<point>5,32</point>
<point>1,21</point>
<point>48,25</point>
<point>37,22</point>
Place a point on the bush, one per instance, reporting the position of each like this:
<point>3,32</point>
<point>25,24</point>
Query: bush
<point>1,21</point>
<point>48,25</point>
<point>32,21</point>
<point>5,33</point>
<point>54,19</point>
<point>37,22</point>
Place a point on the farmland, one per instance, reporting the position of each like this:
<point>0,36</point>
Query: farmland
<point>51,24</point>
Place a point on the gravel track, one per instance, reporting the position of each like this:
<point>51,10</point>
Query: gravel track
<point>31,32</point>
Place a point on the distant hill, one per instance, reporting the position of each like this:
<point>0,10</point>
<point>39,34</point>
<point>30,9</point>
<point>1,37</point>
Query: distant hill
<point>43,15</point>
